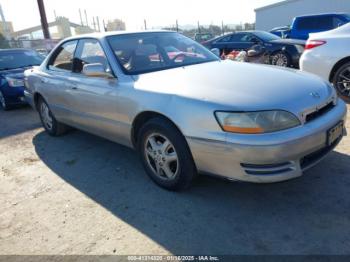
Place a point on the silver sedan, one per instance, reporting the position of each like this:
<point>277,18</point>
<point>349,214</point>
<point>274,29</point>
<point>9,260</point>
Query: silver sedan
<point>186,111</point>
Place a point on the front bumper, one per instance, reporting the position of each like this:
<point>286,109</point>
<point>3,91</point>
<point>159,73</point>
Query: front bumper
<point>29,99</point>
<point>267,158</point>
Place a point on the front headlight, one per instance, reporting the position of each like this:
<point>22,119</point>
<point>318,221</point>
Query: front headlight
<point>14,82</point>
<point>256,122</point>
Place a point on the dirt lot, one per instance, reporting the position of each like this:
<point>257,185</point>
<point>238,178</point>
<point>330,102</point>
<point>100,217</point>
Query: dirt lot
<point>80,194</point>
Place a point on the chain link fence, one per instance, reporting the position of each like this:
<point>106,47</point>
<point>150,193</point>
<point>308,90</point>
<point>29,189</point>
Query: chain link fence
<point>43,46</point>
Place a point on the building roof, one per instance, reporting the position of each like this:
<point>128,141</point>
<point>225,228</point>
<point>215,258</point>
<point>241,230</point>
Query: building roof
<point>275,4</point>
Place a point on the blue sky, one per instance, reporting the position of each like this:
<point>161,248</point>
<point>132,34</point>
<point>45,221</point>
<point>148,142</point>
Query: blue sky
<point>24,13</point>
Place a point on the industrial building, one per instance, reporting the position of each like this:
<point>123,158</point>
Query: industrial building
<point>282,13</point>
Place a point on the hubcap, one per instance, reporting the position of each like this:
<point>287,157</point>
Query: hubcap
<point>161,156</point>
<point>2,100</point>
<point>280,60</point>
<point>46,116</point>
<point>343,82</point>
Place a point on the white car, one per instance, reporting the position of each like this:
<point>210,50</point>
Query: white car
<point>327,55</point>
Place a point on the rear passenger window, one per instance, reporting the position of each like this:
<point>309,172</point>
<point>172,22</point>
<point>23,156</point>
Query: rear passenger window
<point>315,23</point>
<point>63,61</point>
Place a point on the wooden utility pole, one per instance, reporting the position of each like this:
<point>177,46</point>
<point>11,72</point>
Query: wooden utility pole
<point>43,19</point>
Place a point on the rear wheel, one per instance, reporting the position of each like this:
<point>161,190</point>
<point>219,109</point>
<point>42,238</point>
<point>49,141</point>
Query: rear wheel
<point>51,125</point>
<point>341,81</point>
<point>165,155</point>
<point>3,103</point>
<point>280,59</point>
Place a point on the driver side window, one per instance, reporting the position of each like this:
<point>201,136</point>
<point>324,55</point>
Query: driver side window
<point>90,52</point>
<point>63,61</point>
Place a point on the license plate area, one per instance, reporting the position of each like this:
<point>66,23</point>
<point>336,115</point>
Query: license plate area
<point>334,133</point>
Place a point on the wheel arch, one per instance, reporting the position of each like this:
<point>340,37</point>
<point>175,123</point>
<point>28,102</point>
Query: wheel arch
<point>36,98</point>
<point>335,68</point>
<point>145,116</point>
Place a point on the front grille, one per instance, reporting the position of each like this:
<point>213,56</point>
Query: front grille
<point>319,112</point>
<point>310,159</point>
<point>267,169</point>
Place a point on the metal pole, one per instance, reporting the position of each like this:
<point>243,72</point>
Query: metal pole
<point>4,25</point>
<point>44,24</point>
<point>104,25</point>
<point>177,26</point>
<point>199,28</point>
<point>94,23</point>
<point>86,19</point>
<point>145,23</point>
<point>98,23</point>
<point>81,18</point>
<point>222,28</point>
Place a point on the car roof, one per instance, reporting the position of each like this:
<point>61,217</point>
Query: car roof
<point>322,14</point>
<point>112,33</point>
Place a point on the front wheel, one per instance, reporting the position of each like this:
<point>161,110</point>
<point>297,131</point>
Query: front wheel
<point>280,59</point>
<point>51,125</point>
<point>165,155</point>
<point>341,81</point>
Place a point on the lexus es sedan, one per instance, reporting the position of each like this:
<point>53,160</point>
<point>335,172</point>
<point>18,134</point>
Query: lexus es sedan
<point>282,52</point>
<point>327,55</point>
<point>188,112</point>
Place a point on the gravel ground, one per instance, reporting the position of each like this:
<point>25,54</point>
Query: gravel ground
<point>80,194</point>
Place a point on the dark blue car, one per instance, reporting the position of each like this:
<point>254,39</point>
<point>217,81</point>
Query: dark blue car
<point>303,26</point>
<point>13,63</point>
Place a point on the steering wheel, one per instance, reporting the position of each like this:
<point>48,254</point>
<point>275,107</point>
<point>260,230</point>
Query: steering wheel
<point>177,56</point>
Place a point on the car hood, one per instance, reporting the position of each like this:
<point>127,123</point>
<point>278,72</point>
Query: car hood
<point>289,42</point>
<point>240,86</point>
<point>15,73</point>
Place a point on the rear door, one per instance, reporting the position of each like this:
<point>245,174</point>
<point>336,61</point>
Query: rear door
<point>54,80</point>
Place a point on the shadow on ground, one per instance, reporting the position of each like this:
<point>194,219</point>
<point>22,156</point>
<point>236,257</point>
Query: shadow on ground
<point>309,215</point>
<point>22,119</point>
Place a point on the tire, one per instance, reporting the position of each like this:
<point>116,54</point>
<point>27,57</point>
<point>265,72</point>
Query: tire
<point>161,144</point>
<point>280,59</point>
<point>48,120</point>
<point>3,103</point>
<point>340,76</point>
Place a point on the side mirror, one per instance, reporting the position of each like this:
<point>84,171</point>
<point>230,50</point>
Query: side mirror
<point>96,70</point>
<point>216,51</point>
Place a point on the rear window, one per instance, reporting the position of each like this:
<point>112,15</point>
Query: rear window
<point>315,23</point>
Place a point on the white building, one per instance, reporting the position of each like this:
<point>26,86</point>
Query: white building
<point>282,13</point>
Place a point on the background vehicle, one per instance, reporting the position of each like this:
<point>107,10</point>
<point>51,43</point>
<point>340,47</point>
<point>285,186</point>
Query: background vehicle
<point>187,113</point>
<point>282,52</point>
<point>282,31</point>
<point>302,26</point>
<point>13,62</point>
<point>202,37</point>
<point>327,55</point>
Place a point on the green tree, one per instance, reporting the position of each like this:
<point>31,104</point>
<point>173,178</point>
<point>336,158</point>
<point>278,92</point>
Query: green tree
<point>3,42</point>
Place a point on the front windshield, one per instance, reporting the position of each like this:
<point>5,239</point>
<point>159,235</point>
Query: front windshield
<point>265,36</point>
<point>148,52</point>
<point>17,59</point>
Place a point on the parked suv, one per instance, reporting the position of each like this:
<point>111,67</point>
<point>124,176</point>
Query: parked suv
<point>302,26</point>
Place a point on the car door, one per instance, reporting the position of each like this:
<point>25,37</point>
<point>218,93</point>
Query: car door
<point>54,80</point>
<point>94,100</point>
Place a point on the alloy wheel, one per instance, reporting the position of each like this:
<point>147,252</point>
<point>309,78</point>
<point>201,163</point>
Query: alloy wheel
<point>280,60</point>
<point>343,82</point>
<point>161,156</point>
<point>46,116</point>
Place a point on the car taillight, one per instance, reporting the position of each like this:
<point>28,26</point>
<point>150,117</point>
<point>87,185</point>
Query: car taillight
<point>314,43</point>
